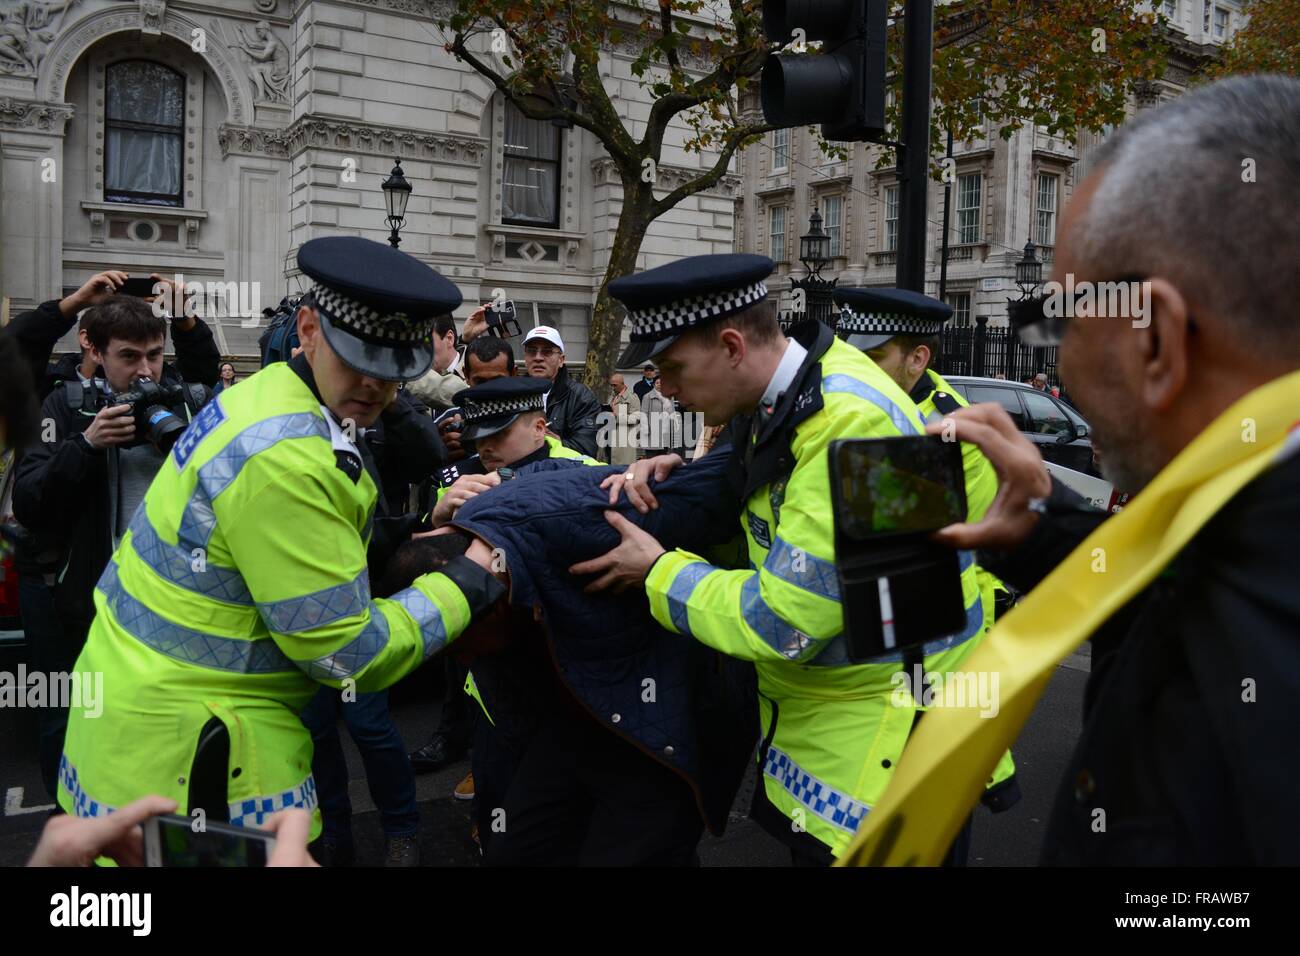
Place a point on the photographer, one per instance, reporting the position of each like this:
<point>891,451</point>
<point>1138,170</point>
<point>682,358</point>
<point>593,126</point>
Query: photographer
<point>38,331</point>
<point>81,482</point>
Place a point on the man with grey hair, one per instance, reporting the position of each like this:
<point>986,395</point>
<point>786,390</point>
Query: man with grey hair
<point>1191,393</point>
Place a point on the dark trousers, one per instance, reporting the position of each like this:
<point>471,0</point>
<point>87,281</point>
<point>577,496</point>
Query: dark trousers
<point>456,722</point>
<point>54,651</point>
<point>388,770</point>
<point>494,758</point>
<point>582,795</point>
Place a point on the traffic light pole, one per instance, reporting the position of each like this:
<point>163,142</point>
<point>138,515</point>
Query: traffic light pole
<point>914,155</point>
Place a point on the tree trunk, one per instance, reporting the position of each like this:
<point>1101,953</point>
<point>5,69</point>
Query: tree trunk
<point>606,322</point>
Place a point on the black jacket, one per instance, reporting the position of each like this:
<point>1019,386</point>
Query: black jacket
<point>407,448</point>
<point>1191,710</point>
<point>572,412</point>
<point>701,719</point>
<point>63,494</point>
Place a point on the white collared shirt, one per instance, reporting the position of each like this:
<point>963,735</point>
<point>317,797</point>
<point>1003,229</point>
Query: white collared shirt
<point>784,374</point>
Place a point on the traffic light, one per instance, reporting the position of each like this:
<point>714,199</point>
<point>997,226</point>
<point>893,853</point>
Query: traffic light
<point>843,86</point>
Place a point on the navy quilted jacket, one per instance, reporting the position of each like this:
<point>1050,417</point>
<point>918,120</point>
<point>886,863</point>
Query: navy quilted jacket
<point>674,699</point>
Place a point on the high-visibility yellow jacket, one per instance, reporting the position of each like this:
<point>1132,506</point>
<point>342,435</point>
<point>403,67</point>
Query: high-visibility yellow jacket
<point>832,731</point>
<point>240,587</point>
<point>935,398</point>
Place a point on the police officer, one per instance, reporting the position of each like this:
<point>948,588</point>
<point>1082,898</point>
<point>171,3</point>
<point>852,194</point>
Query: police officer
<point>242,585</point>
<point>831,735</point>
<point>899,330</point>
<point>505,419</point>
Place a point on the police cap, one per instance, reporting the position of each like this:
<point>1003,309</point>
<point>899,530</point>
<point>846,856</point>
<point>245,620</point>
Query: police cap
<point>871,317</point>
<point>667,301</point>
<point>491,406</point>
<point>377,304</point>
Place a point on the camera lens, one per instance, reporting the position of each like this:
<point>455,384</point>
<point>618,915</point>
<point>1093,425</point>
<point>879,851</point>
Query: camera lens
<point>163,427</point>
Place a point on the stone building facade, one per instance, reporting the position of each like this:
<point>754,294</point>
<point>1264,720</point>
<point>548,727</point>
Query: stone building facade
<point>1006,192</point>
<point>211,139</point>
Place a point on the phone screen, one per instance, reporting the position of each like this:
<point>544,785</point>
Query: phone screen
<point>140,288</point>
<point>894,486</point>
<point>216,845</point>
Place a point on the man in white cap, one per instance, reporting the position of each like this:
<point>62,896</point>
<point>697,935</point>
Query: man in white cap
<point>572,410</point>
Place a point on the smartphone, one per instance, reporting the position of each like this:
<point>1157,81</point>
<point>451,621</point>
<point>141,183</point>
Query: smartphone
<point>898,588</point>
<point>172,841</point>
<point>140,288</point>
<point>897,486</point>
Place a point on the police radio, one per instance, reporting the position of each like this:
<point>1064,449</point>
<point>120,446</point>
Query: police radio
<point>898,588</point>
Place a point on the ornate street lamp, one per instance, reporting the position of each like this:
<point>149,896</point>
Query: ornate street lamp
<point>396,193</point>
<point>815,254</point>
<point>814,247</point>
<point>1029,272</point>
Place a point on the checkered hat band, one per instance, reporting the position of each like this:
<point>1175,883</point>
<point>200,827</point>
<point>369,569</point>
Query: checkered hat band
<point>352,316</point>
<point>885,323</point>
<point>649,325</point>
<point>480,411</point>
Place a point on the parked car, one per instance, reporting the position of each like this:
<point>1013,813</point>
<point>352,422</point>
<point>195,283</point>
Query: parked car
<point>1059,431</point>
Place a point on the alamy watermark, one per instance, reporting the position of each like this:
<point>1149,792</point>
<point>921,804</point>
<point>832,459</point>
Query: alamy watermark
<point>655,429</point>
<point>953,689</point>
<point>241,300</point>
<point>37,689</point>
<point>1126,300</point>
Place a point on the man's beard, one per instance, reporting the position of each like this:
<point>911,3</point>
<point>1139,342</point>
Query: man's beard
<point>1125,455</point>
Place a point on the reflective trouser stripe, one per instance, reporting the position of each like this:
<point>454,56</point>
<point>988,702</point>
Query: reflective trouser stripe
<point>834,806</point>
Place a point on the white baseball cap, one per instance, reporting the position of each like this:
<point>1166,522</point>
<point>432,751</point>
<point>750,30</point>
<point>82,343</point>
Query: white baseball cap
<point>547,333</point>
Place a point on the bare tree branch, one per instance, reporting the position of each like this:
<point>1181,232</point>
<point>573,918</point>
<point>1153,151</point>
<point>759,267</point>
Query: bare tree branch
<point>531,110</point>
<point>705,180</point>
<point>666,24</point>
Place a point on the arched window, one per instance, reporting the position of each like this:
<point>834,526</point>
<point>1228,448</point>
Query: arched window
<point>144,125</point>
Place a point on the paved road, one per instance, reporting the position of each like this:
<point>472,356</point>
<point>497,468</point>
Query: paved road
<point>1008,839</point>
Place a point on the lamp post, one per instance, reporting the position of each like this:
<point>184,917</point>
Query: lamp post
<point>815,254</point>
<point>1029,276</point>
<point>396,193</point>
<point>1029,272</point>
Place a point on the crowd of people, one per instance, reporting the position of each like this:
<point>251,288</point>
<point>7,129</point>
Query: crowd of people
<point>625,627</point>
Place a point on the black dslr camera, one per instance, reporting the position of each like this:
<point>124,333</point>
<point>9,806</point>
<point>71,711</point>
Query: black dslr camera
<point>151,407</point>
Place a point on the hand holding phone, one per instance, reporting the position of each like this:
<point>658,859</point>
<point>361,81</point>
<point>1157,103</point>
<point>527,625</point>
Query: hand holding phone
<point>181,841</point>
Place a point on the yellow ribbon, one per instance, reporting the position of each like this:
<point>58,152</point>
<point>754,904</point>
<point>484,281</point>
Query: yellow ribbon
<point>944,767</point>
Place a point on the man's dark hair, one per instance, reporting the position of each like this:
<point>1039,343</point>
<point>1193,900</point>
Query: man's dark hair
<point>18,409</point>
<point>124,317</point>
<point>442,325</point>
<point>486,349</point>
<point>420,556</point>
<point>757,323</point>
